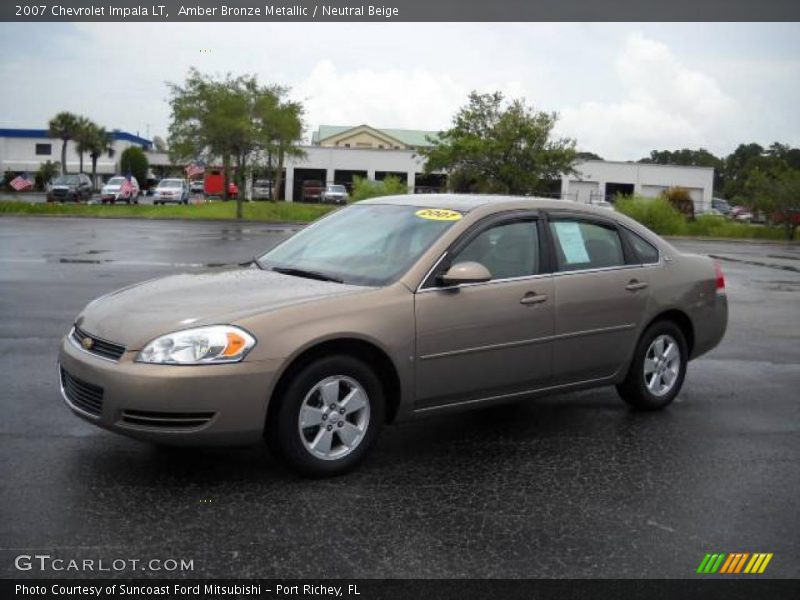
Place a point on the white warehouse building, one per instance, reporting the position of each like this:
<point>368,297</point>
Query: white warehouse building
<point>602,180</point>
<point>24,150</point>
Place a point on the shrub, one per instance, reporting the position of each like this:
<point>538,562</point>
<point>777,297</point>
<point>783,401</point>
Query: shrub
<point>656,214</point>
<point>681,200</point>
<point>134,161</point>
<point>47,171</point>
<point>365,188</point>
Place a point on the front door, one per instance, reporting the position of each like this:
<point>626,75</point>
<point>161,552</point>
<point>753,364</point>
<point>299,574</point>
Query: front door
<point>487,339</point>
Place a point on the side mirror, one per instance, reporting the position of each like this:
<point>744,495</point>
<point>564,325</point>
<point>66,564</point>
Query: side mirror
<point>466,272</point>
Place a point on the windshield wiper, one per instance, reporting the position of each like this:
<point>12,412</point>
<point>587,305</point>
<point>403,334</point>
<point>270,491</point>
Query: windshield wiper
<point>307,274</point>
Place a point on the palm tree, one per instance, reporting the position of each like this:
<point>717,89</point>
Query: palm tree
<point>63,126</point>
<point>102,142</point>
<point>83,139</point>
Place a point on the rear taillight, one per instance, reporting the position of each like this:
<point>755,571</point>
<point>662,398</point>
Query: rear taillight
<point>720,278</point>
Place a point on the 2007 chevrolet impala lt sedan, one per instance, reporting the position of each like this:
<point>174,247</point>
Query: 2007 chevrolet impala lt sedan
<point>390,309</point>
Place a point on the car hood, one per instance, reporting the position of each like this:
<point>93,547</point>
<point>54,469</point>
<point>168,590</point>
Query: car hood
<point>63,186</point>
<point>111,188</point>
<point>135,315</point>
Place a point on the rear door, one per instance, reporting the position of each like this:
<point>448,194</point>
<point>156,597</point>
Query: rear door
<point>487,339</point>
<point>601,293</point>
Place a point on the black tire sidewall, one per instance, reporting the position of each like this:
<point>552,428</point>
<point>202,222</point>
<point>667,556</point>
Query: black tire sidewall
<point>285,436</point>
<point>634,390</point>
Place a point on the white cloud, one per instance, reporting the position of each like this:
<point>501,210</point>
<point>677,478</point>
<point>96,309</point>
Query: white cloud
<point>662,104</point>
<point>393,98</point>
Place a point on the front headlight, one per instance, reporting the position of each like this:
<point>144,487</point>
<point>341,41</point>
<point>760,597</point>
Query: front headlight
<point>203,345</point>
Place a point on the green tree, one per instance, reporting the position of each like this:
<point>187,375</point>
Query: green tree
<point>101,142</point>
<point>280,130</point>
<point>83,139</point>
<point>64,126</point>
<point>234,119</point>
<point>47,170</point>
<point>365,188</point>
<point>777,193</point>
<point>502,147</point>
<point>134,161</point>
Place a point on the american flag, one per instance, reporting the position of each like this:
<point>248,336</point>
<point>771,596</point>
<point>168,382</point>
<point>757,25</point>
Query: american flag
<point>194,169</point>
<point>21,182</point>
<point>127,188</point>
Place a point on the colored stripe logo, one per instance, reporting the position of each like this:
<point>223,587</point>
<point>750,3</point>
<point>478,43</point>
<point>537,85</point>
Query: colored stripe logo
<point>733,563</point>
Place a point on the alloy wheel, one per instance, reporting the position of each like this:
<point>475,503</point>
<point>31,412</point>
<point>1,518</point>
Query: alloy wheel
<point>334,417</point>
<point>662,365</point>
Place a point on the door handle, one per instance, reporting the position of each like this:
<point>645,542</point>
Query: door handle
<point>533,298</point>
<point>635,286</point>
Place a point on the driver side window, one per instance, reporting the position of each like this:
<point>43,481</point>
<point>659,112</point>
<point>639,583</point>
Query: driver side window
<point>507,250</point>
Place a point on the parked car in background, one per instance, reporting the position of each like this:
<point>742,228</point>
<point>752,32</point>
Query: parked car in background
<point>171,190</point>
<point>72,187</point>
<point>196,186</point>
<point>312,190</point>
<point>391,309</point>
<point>741,213</point>
<point>150,186</point>
<point>335,193</point>
<point>115,190</point>
<point>262,189</point>
<point>721,206</point>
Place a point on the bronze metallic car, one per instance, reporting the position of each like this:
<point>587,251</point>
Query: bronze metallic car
<point>390,309</point>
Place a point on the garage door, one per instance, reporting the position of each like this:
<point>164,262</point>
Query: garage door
<point>653,191</point>
<point>582,191</point>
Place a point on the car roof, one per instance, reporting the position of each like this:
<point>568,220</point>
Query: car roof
<point>468,202</point>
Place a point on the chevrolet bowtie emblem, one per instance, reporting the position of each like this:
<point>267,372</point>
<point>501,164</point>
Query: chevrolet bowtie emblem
<point>87,343</point>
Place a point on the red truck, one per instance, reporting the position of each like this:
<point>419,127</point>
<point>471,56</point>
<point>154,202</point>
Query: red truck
<point>312,190</point>
<point>214,184</point>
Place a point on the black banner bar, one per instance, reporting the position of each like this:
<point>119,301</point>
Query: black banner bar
<point>732,588</point>
<point>400,10</point>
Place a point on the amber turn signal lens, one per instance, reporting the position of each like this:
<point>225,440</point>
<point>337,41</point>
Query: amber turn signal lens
<point>235,344</point>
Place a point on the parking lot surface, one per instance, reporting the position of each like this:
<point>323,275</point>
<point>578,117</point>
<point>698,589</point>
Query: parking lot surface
<point>575,485</point>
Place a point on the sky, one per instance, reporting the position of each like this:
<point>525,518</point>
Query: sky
<point>620,89</point>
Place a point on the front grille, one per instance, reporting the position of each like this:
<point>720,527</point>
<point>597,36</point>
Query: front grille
<point>98,347</point>
<point>169,420</point>
<point>87,397</point>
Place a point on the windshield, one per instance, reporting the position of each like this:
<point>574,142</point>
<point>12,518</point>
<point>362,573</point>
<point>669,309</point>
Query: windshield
<point>170,183</point>
<point>336,188</point>
<point>370,244</point>
<point>116,181</point>
<point>66,180</point>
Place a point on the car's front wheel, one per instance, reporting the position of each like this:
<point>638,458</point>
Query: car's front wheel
<point>328,417</point>
<point>658,368</point>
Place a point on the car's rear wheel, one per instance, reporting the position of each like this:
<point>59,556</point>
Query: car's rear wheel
<point>328,417</point>
<point>658,368</point>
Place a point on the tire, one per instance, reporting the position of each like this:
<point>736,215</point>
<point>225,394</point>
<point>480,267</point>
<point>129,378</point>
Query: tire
<point>345,380</point>
<point>657,387</point>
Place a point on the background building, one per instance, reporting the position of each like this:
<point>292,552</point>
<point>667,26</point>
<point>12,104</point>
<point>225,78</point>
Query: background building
<point>339,154</point>
<point>602,180</point>
<point>24,150</point>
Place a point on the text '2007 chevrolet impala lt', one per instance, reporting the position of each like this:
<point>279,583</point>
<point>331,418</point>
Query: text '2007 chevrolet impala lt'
<point>389,309</point>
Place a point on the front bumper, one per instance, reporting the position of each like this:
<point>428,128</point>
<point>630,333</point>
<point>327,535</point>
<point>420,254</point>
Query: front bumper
<point>223,404</point>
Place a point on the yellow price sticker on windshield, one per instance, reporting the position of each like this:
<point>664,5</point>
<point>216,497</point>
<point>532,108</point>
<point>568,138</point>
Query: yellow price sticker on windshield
<point>438,214</point>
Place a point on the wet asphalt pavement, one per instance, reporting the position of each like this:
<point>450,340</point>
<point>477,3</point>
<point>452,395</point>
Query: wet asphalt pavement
<point>575,485</point>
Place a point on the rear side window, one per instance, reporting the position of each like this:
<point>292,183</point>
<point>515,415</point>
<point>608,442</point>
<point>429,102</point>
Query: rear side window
<point>646,252</point>
<point>584,245</point>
